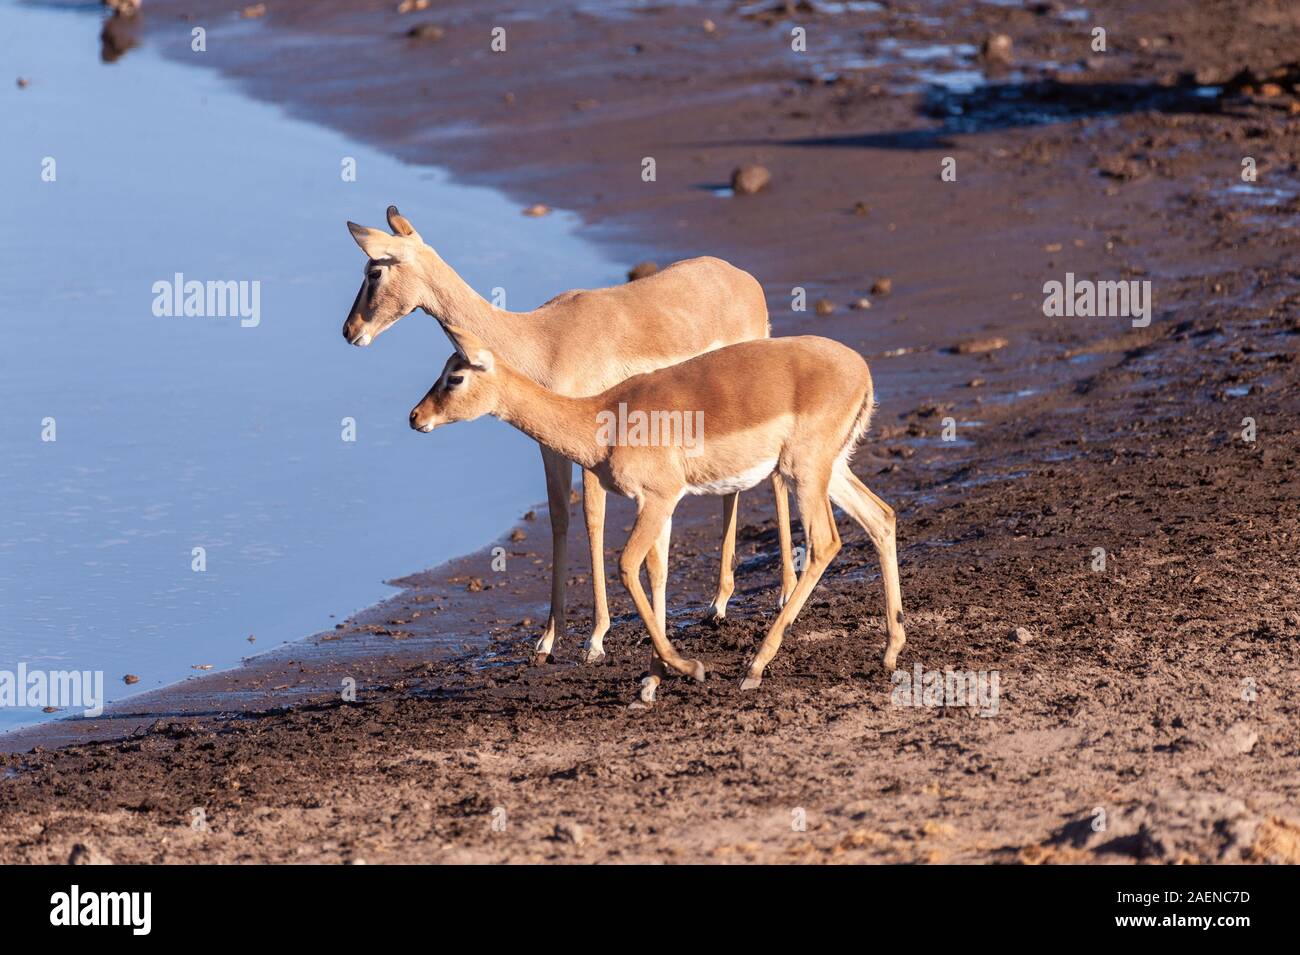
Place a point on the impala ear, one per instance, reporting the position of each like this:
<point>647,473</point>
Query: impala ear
<point>400,224</point>
<point>469,347</point>
<point>378,244</point>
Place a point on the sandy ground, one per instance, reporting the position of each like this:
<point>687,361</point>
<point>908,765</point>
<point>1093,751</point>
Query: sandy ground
<point>1145,712</point>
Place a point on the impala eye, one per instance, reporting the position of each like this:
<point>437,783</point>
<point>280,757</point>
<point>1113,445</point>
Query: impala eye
<point>455,380</point>
<point>374,276</point>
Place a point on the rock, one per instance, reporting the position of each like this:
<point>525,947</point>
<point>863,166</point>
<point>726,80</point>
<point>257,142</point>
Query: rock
<point>517,534</point>
<point>708,26</point>
<point>571,832</point>
<point>882,286</point>
<point>1022,635</point>
<point>975,383</point>
<point>82,854</point>
<point>1118,166</point>
<point>996,50</point>
<point>1239,739</point>
<point>127,8</point>
<point>530,516</point>
<point>537,209</point>
<point>977,346</point>
<point>860,304</point>
<point>750,179</point>
<point>824,306</point>
<point>475,585</point>
<point>1178,827</point>
<point>426,31</point>
<point>641,270</point>
<point>254,11</point>
<point>860,208</point>
<point>130,678</point>
<point>407,6</point>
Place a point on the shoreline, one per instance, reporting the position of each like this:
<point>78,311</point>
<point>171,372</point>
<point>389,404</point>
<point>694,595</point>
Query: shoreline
<point>1075,435</point>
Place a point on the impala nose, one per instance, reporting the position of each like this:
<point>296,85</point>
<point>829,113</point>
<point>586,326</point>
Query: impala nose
<point>354,330</point>
<point>414,417</point>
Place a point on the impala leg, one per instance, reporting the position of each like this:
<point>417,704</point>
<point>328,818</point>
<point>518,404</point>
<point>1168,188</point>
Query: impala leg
<point>657,567</point>
<point>559,479</point>
<point>593,509</point>
<point>650,519</point>
<point>788,578</point>
<point>878,520</point>
<point>823,544</point>
<point>717,611</point>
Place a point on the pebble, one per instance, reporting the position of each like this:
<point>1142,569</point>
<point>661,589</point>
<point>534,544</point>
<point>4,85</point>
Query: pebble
<point>641,270</point>
<point>130,678</point>
<point>570,832</point>
<point>1022,635</point>
<point>997,49</point>
<point>517,534</point>
<point>1240,738</point>
<point>537,209</point>
<point>750,179</point>
<point>426,31</point>
<point>824,306</point>
<point>882,286</point>
<point>860,304</point>
<point>977,346</point>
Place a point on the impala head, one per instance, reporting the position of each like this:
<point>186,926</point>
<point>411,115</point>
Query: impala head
<point>392,287</point>
<point>467,388</point>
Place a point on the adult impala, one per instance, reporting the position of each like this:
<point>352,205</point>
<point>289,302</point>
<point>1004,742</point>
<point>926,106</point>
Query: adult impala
<point>579,343</point>
<point>794,406</point>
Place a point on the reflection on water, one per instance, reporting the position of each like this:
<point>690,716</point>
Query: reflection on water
<point>177,433</point>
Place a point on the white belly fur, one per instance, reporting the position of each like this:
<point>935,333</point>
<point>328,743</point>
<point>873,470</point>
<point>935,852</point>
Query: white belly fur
<point>732,485</point>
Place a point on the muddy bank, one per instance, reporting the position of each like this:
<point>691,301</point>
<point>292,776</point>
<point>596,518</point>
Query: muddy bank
<point>1160,689</point>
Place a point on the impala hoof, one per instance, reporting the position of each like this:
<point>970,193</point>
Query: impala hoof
<point>713,617</point>
<point>648,687</point>
<point>751,683</point>
<point>540,659</point>
<point>697,671</point>
<point>640,705</point>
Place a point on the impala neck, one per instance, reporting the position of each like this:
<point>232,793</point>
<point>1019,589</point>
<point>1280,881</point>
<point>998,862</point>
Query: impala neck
<point>451,300</point>
<point>564,425</point>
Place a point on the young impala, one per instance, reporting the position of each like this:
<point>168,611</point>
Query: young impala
<point>794,406</point>
<point>579,343</point>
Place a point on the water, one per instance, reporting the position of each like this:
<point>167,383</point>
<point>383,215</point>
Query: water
<point>175,433</point>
